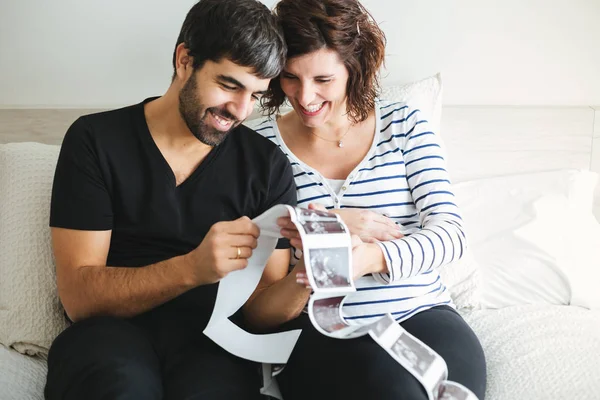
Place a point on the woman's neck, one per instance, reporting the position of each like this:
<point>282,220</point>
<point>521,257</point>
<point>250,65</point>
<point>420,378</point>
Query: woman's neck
<point>333,130</point>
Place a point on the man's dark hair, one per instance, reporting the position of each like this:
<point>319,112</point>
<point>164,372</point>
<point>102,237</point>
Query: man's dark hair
<point>243,31</point>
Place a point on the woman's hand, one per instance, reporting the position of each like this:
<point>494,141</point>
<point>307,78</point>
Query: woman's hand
<point>299,272</point>
<point>367,258</point>
<point>290,232</point>
<point>368,225</point>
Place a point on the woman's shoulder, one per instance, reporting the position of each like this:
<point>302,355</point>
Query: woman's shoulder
<point>393,109</point>
<point>264,126</point>
<point>262,123</point>
<point>398,114</point>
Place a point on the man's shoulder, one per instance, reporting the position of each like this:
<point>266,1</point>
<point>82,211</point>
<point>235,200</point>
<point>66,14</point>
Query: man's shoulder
<point>258,148</point>
<point>111,119</point>
<point>104,129</point>
<point>255,136</point>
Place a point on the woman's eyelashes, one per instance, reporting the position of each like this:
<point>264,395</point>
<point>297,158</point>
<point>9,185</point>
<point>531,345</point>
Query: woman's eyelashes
<point>318,80</point>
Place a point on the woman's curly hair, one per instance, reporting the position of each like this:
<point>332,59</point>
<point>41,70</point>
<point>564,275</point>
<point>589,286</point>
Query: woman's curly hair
<point>344,26</point>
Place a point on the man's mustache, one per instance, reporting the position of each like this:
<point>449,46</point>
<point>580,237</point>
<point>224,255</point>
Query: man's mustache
<point>220,112</point>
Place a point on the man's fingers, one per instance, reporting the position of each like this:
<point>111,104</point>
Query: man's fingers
<point>242,241</point>
<point>240,226</point>
<point>240,252</point>
<point>238,264</point>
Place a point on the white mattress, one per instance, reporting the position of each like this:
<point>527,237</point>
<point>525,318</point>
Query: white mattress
<point>540,352</point>
<point>533,352</point>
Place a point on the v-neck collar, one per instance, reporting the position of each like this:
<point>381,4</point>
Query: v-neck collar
<point>158,155</point>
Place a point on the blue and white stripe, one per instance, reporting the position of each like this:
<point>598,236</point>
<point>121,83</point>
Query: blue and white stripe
<point>403,176</point>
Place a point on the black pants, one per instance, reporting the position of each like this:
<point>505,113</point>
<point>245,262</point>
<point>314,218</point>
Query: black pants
<point>159,355</point>
<point>325,368</point>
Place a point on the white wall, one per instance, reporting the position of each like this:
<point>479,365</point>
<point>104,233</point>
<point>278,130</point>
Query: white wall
<point>507,52</point>
<point>81,53</point>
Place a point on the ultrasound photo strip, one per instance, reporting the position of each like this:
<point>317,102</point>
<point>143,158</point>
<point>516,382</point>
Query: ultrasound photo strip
<point>303,215</point>
<point>328,268</point>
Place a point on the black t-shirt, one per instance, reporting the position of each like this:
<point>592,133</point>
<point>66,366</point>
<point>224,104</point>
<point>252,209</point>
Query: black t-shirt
<point>111,176</point>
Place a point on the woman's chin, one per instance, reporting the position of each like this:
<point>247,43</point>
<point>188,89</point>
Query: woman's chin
<point>312,121</point>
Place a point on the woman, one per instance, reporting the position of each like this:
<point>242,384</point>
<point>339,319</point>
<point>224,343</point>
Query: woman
<point>378,166</point>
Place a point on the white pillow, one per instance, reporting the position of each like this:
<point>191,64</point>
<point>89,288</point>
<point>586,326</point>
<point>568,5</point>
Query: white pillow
<point>513,269</point>
<point>425,94</point>
<point>463,280</point>
<point>30,312</point>
<point>573,240</point>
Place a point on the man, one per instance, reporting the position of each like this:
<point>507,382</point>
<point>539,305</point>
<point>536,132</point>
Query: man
<point>151,207</point>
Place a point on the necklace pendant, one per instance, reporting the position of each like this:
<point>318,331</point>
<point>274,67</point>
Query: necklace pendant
<point>340,144</point>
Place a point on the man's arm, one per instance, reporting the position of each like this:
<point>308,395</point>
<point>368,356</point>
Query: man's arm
<point>87,287</point>
<point>278,298</point>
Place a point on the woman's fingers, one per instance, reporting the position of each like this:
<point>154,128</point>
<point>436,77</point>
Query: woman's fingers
<point>317,206</point>
<point>356,240</point>
<point>382,219</point>
<point>297,243</point>
<point>285,222</point>
<point>302,279</point>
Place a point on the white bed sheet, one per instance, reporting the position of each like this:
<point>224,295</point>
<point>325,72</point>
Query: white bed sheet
<point>540,352</point>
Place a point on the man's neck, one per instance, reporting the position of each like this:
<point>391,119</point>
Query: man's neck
<point>166,125</point>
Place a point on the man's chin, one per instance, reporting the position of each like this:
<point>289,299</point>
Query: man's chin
<point>213,138</point>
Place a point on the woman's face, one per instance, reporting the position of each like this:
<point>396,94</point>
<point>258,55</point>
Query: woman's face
<point>315,85</point>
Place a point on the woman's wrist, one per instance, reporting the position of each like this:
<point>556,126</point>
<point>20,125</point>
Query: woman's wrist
<point>371,260</point>
<point>378,264</point>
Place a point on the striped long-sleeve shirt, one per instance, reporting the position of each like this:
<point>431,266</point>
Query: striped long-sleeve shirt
<point>404,177</point>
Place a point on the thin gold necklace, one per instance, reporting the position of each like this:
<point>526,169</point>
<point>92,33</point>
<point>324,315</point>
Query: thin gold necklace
<point>339,141</point>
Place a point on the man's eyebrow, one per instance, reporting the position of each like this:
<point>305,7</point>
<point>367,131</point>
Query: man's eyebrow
<point>233,81</point>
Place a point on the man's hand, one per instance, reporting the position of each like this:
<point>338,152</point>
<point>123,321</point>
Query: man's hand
<point>225,248</point>
<point>368,225</point>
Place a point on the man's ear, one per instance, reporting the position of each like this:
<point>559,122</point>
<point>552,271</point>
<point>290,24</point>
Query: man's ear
<point>183,62</point>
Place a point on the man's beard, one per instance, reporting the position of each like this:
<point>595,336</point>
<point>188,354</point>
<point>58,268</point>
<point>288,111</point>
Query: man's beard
<point>190,108</point>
